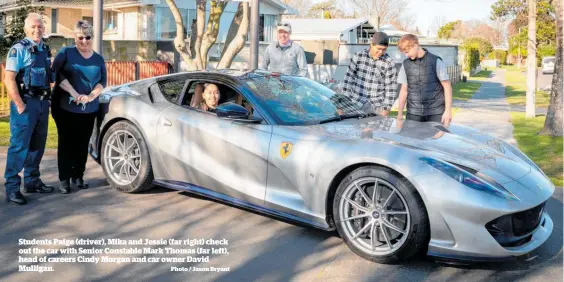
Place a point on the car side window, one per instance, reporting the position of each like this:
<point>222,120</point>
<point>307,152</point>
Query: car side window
<point>172,89</point>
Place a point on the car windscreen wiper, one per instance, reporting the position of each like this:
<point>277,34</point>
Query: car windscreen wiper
<point>332,119</point>
<point>346,116</point>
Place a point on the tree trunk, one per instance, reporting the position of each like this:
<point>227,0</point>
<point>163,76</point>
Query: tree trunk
<point>235,43</point>
<point>531,61</point>
<point>212,30</point>
<point>554,116</point>
<point>234,28</point>
<point>180,40</point>
<point>200,24</point>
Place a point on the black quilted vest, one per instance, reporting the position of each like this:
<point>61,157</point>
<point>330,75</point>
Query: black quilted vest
<point>426,95</point>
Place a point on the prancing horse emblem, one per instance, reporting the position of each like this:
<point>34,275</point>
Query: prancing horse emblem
<point>285,149</point>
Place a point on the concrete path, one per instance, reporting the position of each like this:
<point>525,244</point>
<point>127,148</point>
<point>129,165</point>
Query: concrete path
<point>488,110</point>
<point>260,248</point>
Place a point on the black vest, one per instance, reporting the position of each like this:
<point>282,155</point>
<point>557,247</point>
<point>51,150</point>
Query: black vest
<point>426,95</point>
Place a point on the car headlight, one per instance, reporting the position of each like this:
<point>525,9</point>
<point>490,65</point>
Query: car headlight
<point>470,178</point>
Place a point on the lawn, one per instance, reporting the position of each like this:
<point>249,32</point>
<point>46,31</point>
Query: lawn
<point>516,88</point>
<point>5,133</point>
<point>545,151</point>
<point>481,76</point>
<point>465,90</point>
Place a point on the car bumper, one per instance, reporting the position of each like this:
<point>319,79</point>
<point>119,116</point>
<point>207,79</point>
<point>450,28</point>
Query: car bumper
<point>458,216</point>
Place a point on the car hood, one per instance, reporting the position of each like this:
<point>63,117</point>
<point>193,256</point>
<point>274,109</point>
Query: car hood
<point>459,145</point>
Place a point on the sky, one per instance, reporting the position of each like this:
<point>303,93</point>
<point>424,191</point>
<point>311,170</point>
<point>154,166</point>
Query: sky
<point>425,12</point>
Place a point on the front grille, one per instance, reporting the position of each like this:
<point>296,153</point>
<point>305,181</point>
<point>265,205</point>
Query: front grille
<point>527,221</point>
<point>514,230</point>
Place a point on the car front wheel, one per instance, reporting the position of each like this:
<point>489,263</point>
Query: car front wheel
<point>125,158</point>
<point>380,216</point>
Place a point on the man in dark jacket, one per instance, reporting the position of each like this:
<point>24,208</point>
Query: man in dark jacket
<point>425,85</point>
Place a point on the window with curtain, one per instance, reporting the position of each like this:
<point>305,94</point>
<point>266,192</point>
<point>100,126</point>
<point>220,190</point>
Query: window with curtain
<point>166,27</point>
<point>110,21</point>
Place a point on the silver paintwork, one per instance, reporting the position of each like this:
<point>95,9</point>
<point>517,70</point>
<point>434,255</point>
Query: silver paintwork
<point>243,161</point>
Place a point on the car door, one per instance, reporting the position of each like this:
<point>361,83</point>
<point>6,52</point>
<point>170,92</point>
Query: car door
<point>198,148</point>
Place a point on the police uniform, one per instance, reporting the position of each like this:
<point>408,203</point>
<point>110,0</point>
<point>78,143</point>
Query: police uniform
<point>32,63</point>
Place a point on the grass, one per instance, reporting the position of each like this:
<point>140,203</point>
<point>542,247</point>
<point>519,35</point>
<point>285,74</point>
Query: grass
<point>516,88</point>
<point>5,133</point>
<point>545,151</point>
<point>465,90</point>
<point>481,76</point>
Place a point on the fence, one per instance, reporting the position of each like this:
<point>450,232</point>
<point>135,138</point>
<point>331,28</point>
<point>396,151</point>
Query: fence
<point>454,74</point>
<point>117,73</point>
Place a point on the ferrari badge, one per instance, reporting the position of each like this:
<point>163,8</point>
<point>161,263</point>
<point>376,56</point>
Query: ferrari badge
<point>285,149</point>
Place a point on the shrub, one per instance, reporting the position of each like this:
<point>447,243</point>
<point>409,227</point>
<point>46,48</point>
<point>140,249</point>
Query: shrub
<point>472,59</point>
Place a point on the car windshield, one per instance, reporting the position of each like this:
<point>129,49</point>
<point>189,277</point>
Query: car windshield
<point>548,60</point>
<point>300,101</point>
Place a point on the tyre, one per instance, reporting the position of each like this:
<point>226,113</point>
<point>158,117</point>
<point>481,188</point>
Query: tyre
<point>125,158</point>
<point>380,216</point>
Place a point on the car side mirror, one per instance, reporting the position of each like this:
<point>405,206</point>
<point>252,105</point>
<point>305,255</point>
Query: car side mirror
<point>235,112</point>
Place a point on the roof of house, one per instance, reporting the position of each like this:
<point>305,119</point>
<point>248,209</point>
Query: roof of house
<point>327,26</point>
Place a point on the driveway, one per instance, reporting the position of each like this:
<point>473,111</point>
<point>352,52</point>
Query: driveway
<point>260,248</point>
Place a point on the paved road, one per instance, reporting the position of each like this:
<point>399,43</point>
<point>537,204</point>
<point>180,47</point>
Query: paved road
<point>261,248</point>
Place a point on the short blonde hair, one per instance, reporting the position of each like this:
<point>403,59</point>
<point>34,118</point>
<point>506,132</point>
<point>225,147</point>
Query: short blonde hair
<point>83,27</point>
<point>407,41</point>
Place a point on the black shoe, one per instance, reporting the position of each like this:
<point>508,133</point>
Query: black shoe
<point>16,198</point>
<point>65,187</point>
<point>80,184</point>
<point>41,188</point>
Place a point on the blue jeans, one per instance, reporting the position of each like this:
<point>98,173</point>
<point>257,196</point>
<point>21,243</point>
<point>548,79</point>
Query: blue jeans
<point>27,143</point>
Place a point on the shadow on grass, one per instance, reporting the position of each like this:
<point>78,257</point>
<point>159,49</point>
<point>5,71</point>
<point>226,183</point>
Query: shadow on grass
<point>465,90</point>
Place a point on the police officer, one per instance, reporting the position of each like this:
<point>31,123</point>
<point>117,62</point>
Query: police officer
<point>27,78</point>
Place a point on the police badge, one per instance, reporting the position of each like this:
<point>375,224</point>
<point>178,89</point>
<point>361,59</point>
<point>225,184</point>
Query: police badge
<point>13,53</point>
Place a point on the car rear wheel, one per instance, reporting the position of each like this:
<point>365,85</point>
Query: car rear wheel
<point>380,216</point>
<point>125,158</point>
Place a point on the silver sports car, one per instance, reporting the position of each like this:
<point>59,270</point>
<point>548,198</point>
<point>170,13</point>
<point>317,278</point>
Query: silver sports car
<point>290,148</point>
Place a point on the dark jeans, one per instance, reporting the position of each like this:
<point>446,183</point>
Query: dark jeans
<point>74,135</point>
<point>27,143</point>
<point>435,118</point>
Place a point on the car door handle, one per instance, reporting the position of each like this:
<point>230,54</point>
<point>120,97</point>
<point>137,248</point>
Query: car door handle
<point>166,122</point>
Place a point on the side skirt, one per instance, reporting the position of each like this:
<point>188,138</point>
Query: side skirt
<point>182,186</point>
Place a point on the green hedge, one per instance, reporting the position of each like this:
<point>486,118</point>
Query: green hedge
<point>499,55</point>
<point>472,59</point>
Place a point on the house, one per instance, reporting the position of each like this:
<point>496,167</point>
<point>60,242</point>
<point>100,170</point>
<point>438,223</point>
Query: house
<point>144,21</point>
<point>352,31</point>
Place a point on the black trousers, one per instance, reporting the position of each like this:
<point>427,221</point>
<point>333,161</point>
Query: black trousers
<point>436,118</point>
<point>74,135</point>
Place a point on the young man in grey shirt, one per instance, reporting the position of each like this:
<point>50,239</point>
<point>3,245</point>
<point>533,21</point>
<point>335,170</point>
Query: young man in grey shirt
<point>425,85</point>
<point>285,56</point>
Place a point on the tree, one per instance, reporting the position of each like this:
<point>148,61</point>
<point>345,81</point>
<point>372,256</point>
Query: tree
<point>206,33</point>
<point>14,30</point>
<point>531,62</point>
<point>517,12</point>
<point>478,43</point>
<point>387,11</point>
<point>554,116</point>
<point>446,30</point>
<point>329,8</point>
<point>302,6</point>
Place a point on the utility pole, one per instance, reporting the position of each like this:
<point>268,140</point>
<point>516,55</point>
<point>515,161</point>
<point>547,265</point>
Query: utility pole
<point>255,18</point>
<point>97,26</point>
<point>531,61</point>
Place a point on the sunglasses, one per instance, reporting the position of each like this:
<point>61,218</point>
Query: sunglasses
<point>84,37</point>
<point>283,24</point>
